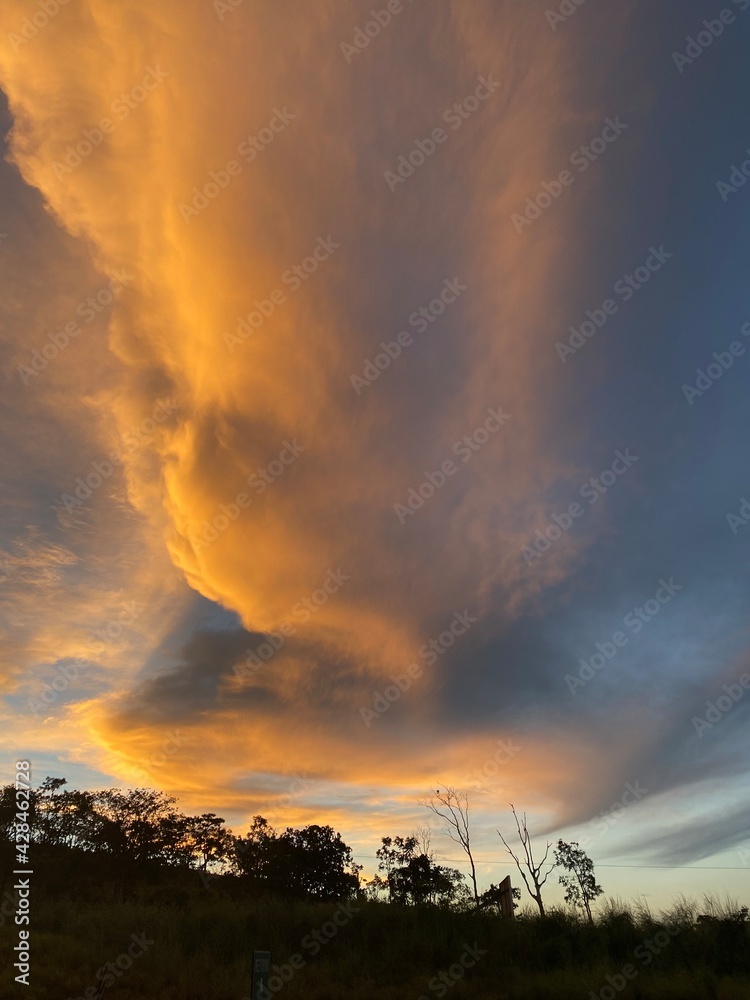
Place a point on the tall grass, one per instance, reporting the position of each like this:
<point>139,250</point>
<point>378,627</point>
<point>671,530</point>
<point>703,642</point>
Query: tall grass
<point>203,940</point>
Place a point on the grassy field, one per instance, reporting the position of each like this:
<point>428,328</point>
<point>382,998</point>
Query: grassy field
<point>195,943</point>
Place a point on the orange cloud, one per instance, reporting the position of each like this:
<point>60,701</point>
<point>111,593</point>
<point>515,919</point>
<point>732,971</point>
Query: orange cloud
<point>236,168</point>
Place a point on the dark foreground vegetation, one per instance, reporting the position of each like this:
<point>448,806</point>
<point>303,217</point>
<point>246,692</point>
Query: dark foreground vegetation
<point>198,944</point>
<point>131,913</point>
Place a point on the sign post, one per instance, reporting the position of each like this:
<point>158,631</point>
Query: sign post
<point>261,972</point>
<point>506,897</point>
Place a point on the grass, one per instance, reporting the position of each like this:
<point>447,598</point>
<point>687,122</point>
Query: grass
<point>203,940</point>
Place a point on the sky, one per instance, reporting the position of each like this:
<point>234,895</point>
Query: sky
<point>374,417</point>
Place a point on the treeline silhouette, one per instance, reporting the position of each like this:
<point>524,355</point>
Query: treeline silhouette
<point>141,830</point>
<point>132,832</point>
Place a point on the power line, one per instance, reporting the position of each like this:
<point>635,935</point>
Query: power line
<point>682,868</point>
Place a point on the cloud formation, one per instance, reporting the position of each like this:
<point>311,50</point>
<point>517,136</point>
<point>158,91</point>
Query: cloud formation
<point>363,420</point>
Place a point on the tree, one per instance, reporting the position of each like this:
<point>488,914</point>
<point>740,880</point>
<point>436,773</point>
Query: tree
<point>394,854</point>
<point>253,852</point>
<point>311,863</point>
<point>411,876</point>
<point>319,865</point>
<point>534,870</point>
<point>423,836</point>
<point>140,825</point>
<point>208,840</point>
<point>65,817</point>
<point>422,882</point>
<point>136,829</point>
<point>580,885</point>
<point>452,806</point>
<point>7,840</point>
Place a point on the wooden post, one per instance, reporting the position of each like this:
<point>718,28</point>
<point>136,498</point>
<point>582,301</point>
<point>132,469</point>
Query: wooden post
<point>506,897</point>
<point>261,973</point>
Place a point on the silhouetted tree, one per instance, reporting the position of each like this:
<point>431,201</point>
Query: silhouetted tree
<point>529,865</point>
<point>421,881</point>
<point>253,853</point>
<point>140,825</point>
<point>320,864</point>
<point>411,875</point>
<point>580,884</point>
<point>452,806</point>
<point>65,817</point>
<point>208,840</point>
<point>393,854</point>
<point>311,863</point>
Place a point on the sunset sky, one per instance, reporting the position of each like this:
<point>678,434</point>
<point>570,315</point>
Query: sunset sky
<point>330,335</point>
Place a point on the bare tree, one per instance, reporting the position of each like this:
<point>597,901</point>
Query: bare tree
<point>423,835</point>
<point>528,863</point>
<point>452,806</point>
